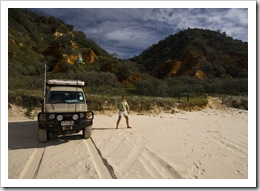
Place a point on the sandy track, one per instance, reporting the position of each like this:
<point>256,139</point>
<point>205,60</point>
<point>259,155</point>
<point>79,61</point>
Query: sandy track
<point>63,157</point>
<point>33,166</point>
<point>211,144</point>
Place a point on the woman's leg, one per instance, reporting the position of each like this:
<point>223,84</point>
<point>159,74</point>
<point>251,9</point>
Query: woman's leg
<point>118,121</point>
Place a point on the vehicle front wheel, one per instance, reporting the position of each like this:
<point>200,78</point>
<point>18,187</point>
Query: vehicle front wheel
<point>87,132</point>
<point>42,135</point>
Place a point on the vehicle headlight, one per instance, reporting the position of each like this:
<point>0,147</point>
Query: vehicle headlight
<point>51,116</point>
<point>75,117</point>
<point>59,117</point>
<point>82,115</point>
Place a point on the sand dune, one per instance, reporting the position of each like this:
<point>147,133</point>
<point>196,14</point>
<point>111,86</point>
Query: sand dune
<point>206,144</point>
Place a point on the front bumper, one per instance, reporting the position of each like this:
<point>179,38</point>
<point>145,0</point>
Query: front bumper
<point>56,126</point>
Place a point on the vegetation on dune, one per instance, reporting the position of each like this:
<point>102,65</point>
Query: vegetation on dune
<point>193,62</point>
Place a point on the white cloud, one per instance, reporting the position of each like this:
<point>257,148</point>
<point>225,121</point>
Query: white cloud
<point>239,16</point>
<point>136,35</point>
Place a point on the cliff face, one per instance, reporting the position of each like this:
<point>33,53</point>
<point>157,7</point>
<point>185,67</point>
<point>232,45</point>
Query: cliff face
<point>88,55</point>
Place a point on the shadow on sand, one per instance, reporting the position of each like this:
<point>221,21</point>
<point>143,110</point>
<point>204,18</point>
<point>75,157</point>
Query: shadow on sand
<point>24,135</point>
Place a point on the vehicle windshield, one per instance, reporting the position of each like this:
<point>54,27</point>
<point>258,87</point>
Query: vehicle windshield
<point>64,97</point>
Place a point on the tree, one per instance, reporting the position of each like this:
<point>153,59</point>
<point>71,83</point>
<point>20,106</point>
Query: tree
<point>100,82</point>
<point>151,87</point>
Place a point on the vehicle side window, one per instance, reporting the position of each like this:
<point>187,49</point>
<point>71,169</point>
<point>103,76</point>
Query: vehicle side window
<point>81,97</point>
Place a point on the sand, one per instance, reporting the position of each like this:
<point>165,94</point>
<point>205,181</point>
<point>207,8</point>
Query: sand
<point>207,144</point>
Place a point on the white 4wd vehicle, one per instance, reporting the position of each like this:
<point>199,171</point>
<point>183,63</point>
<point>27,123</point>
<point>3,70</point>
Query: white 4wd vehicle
<point>64,110</point>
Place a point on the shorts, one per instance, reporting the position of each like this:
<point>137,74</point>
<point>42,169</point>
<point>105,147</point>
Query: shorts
<point>122,113</point>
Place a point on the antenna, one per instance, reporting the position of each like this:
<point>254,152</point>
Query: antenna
<point>77,68</point>
<point>44,91</point>
<point>80,60</point>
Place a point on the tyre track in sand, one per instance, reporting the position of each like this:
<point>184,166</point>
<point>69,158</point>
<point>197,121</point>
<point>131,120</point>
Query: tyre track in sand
<point>103,169</point>
<point>32,167</point>
<point>157,166</point>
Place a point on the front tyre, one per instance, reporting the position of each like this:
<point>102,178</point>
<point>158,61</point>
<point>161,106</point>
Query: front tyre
<point>87,132</point>
<point>42,135</point>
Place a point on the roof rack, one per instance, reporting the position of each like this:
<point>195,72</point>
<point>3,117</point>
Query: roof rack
<point>56,82</point>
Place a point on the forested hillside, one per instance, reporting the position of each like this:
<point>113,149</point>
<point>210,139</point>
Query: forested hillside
<point>196,53</point>
<point>35,40</point>
<point>195,60</point>
<point>191,61</point>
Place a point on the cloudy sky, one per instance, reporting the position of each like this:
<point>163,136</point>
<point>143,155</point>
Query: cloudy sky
<point>128,31</point>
